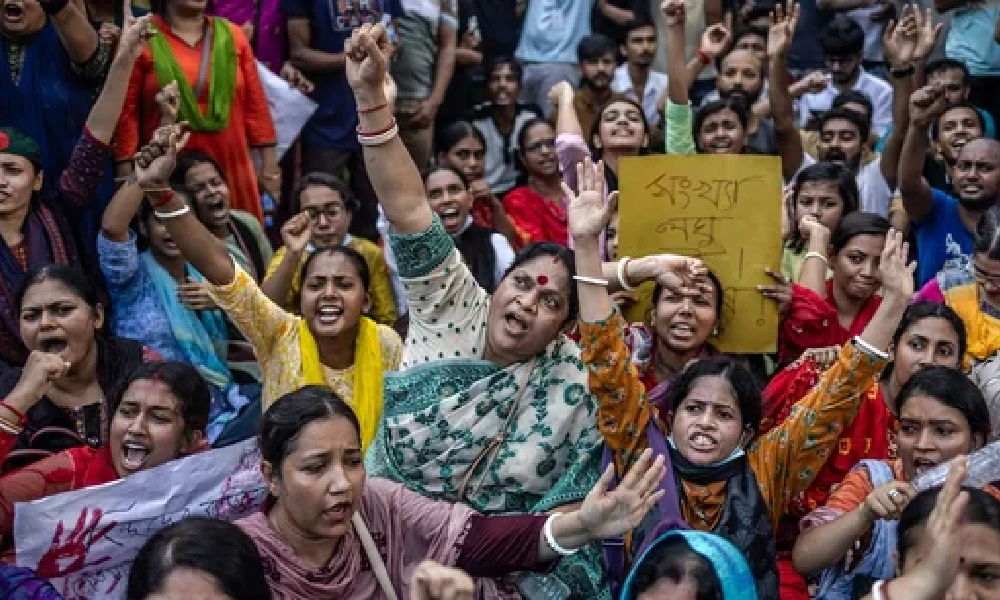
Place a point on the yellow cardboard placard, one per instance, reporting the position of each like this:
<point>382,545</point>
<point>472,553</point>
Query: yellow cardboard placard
<point>725,209</point>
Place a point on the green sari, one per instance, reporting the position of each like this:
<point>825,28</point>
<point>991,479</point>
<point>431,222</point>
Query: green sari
<point>443,413</point>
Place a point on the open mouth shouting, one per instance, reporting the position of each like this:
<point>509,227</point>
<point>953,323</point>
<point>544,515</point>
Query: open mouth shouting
<point>329,314</point>
<point>53,345</point>
<point>451,218</point>
<point>134,455</point>
<point>703,443</point>
<point>13,12</point>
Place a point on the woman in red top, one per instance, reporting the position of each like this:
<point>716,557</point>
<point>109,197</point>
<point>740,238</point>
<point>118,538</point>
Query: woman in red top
<point>160,416</point>
<point>538,209</point>
<point>829,312</point>
<point>221,98</point>
<point>928,334</point>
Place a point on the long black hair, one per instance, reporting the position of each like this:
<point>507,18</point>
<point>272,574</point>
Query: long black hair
<point>283,421</point>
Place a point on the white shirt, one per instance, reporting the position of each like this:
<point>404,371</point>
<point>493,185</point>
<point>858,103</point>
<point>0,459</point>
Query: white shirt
<point>876,197</point>
<point>878,91</point>
<point>656,87</point>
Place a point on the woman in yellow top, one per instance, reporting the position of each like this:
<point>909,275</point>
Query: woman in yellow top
<point>331,344</point>
<point>327,206</point>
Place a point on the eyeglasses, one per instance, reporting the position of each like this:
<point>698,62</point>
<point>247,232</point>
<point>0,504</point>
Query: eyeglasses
<point>546,143</point>
<point>331,211</point>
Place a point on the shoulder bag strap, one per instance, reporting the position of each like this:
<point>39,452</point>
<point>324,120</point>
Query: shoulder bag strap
<point>374,558</point>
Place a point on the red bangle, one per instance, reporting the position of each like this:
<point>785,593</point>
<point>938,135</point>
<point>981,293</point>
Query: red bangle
<point>368,111</point>
<point>20,415</point>
<point>379,132</point>
<point>162,200</point>
<point>704,58</point>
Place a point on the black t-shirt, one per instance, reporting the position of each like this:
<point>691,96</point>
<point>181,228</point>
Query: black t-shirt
<point>605,26</point>
<point>499,26</point>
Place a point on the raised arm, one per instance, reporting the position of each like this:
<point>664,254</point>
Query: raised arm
<point>75,32</point>
<point>926,104</point>
<point>618,16</point>
<point>813,273</point>
<point>153,166</point>
<point>393,175</point>
<point>779,41</point>
<point>124,204</point>
<point>907,46</point>
<point>678,83</point>
<point>296,233</point>
<point>104,115</point>
<point>567,121</point>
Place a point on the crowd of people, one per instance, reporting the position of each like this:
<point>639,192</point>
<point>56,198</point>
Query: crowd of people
<point>418,309</point>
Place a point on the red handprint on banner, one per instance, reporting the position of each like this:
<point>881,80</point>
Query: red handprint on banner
<point>69,556</point>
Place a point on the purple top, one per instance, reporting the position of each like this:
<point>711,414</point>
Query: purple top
<point>269,27</point>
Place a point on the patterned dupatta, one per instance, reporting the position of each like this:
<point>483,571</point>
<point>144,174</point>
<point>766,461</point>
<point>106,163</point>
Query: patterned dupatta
<point>445,417</point>
<point>45,245</point>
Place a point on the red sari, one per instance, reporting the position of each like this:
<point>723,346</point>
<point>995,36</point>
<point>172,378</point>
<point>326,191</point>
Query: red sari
<point>536,218</point>
<point>813,322</point>
<point>250,124</point>
<point>869,435</point>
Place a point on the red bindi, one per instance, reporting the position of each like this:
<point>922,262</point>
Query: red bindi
<point>543,279</point>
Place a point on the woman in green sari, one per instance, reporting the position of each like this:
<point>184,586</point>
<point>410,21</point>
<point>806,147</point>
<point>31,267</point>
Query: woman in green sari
<point>493,406</point>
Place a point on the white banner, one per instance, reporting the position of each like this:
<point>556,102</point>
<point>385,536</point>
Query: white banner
<point>290,108</point>
<point>84,541</point>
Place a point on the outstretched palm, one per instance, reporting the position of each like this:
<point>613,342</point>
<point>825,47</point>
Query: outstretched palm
<point>779,40</point>
<point>612,513</point>
<point>587,212</point>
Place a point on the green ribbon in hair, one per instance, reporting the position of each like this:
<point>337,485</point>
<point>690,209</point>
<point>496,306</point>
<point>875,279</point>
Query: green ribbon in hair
<point>221,86</point>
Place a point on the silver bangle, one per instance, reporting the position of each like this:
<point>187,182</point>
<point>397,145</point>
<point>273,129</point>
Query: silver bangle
<point>623,274</point>
<point>551,539</point>
<point>870,349</point>
<point>818,255</point>
<point>172,214</point>
<point>380,139</point>
<point>591,280</point>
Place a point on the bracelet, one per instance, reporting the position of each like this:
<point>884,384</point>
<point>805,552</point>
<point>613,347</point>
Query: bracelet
<point>271,176</point>
<point>623,274</point>
<point>591,280</point>
<point>551,539</point>
<point>868,348</point>
<point>378,139</point>
<point>11,428</point>
<point>386,129</point>
<point>816,255</point>
<point>703,57</point>
<point>20,415</point>
<point>167,196</point>
<point>173,214</point>
<point>368,111</point>
<point>878,590</point>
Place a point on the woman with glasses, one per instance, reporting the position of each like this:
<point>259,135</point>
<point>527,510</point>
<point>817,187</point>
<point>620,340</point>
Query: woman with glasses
<point>974,291</point>
<point>327,207</point>
<point>538,208</point>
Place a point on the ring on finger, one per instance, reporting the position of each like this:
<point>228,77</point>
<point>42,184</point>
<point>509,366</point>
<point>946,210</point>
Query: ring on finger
<point>894,495</point>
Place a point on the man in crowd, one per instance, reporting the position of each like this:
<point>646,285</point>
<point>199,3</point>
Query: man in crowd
<point>427,32</point>
<point>843,44</point>
<point>635,78</point>
<point>317,30</point>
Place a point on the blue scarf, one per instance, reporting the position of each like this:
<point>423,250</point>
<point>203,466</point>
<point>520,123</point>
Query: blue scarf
<point>728,563</point>
<point>201,336</point>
